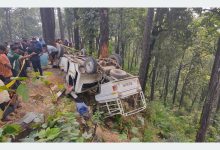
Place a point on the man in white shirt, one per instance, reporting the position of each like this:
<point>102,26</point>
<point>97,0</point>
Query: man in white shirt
<point>52,51</point>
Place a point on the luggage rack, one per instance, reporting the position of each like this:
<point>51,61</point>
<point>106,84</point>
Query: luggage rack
<point>114,107</point>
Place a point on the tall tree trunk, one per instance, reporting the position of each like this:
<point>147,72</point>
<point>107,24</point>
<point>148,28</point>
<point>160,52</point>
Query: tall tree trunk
<point>117,37</point>
<point>218,105</point>
<point>183,92</point>
<point>119,33</point>
<point>211,95</point>
<point>132,59</point>
<point>90,46</point>
<point>69,33</point>
<point>177,78</point>
<point>121,38</point>
<point>166,85</point>
<point>129,55</point>
<point>72,36</point>
<point>61,26</point>
<point>163,85</point>
<point>82,43</point>
<point>97,44</point>
<point>122,52</point>
<point>104,32</point>
<point>8,22</point>
<point>76,30</point>
<point>115,43</point>
<point>156,30</point>
<point>153,78</point>
<point>24,35</point>
<point>69,22</point>
<point>48,24</point>
<point>146,48</point>
<point>185,83</point>
<point>194,100</point>
<point>202,98</point>
<point>176,83</point>
<point>136,57</point>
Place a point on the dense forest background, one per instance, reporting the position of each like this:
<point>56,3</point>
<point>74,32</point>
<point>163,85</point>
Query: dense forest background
<point>171,49</point>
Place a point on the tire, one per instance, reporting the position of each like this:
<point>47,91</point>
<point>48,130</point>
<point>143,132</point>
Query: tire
<point>117,58</point>
<point>90,65</point>
<point>117,73</point>
<point>61,51</point>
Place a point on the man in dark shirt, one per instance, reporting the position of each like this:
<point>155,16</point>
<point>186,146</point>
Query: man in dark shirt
<point>16,60</point>
<point>36,50</point>
<point>23,46</point>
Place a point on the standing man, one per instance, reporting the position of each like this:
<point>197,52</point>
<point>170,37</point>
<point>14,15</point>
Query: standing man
<point>5,74</point>
<point>41,41</point>
<point>23,47</point>
<point>35,50</point>
<point>5,66</point>
<point>16,61</point>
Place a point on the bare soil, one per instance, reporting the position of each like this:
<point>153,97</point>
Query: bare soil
<point>40,99</point>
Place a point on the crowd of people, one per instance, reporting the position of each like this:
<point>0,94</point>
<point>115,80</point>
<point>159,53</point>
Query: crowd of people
<point>15,58</point>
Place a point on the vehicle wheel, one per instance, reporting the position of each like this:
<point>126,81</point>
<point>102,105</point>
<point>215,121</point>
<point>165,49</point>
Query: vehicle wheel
<point>61,51</point>
<point>68,66</point>
<point>117,58</point>
<point>117,73</point>
<point>90,65</point>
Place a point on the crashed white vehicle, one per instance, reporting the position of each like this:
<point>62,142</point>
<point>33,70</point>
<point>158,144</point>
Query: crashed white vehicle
<point>117,92</point>
<point>80,74</point>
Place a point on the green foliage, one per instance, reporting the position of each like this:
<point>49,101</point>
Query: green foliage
<point>123,137</point>
<point>214,129</point>
<point>48,134</point>
<point>61,127</point>
<point>97,117</point>
<point>9,131</point>
<point>22,90</point>
<point>89,22</point>
<point>12,129</point>
<point>212,134</point>
<point>47,73</point>
<point>135,139</point>
<point>24,23</point>
<point>168,126</point>
<point>134,130</point>
<point>149,134</point>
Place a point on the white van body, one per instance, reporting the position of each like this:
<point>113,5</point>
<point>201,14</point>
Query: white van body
<point>63,64</point>
<point>77,77</point>
<point>114,95</point>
